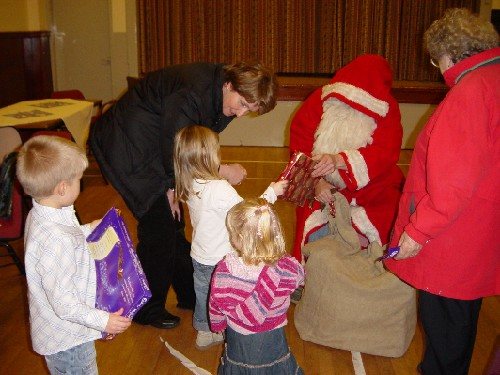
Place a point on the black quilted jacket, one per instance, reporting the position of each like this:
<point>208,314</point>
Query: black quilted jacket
<point>133,141</point>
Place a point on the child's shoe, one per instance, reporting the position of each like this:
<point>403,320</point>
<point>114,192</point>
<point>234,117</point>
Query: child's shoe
<point>205,340</point>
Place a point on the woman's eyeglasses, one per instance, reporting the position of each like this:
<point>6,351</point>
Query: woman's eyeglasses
<point>434,63</point>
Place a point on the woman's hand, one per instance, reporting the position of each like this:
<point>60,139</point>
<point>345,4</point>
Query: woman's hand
<point>233,173</point>
<point>327,164</point>
<point>323,192</point>
<point>408,248</point>
<point>174,205</point>
<point>279,187</point>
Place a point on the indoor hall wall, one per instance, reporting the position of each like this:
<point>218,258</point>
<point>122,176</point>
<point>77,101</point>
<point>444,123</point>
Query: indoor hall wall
<point>272,129</point>
<point>23,15</point>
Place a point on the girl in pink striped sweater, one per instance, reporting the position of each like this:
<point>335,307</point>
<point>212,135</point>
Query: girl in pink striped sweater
<point>250,293</point>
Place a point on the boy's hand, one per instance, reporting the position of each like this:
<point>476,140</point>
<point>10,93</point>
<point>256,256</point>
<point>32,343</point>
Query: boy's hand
<point>117,323</point>
<point>95,223</point>
<point>280,186</point>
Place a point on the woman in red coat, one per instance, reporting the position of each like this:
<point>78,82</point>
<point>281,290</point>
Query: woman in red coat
<point>352,126</point>
<point>449,217</point>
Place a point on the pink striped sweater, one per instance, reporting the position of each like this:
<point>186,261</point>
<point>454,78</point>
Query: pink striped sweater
<point>252,299</point>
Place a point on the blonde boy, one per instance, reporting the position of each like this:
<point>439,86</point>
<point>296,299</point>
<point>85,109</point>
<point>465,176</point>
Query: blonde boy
<point>59,270</point>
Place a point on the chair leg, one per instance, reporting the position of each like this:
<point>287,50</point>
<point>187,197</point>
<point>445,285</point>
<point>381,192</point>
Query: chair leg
<point>12,253</point>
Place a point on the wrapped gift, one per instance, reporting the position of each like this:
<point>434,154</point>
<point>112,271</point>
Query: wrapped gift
<point>120,279</point>
<point>298,172</point>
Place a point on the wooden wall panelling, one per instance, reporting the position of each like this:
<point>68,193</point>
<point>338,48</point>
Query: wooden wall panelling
<point>25,67</point>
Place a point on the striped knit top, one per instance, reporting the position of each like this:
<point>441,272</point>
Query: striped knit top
<point>252,299</point>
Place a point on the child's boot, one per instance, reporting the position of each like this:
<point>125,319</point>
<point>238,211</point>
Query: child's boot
<point>205,340</point>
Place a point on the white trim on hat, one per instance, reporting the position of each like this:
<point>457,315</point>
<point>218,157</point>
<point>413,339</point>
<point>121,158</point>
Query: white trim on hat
<point>357,95</point>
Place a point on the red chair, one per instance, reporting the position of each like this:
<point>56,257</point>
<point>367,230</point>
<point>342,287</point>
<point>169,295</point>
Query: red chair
<point>68,94</point>
<point>11,226</point>
<point>12,229</point>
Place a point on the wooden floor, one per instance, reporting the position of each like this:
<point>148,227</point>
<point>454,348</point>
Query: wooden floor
<point>140,351</point>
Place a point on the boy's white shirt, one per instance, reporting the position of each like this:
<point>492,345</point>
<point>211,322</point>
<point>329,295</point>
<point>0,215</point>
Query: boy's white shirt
<point>208,210</point>
<point>61,281</point>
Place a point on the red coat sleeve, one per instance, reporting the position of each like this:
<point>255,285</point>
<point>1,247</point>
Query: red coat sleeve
<point>456,155</point>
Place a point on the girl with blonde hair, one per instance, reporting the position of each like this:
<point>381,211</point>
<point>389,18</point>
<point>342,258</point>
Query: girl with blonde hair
<point>209,197</point>
<point>250,293</point>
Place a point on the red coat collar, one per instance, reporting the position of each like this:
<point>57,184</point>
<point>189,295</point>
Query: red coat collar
<point>457,71</point>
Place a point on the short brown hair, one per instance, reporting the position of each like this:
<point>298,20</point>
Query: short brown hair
<point>255,232</point>
<point>44,161</point>
<point>255,82</point>
<point>459,34</point>
<point>196,155</point>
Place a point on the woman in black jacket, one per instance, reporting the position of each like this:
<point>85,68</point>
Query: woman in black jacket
<point>133,144</point>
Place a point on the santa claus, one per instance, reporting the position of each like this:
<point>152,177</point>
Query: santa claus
<point>352,127</point>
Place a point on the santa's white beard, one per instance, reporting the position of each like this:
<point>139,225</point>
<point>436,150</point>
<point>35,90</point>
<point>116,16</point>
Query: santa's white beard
<point>342,128</point>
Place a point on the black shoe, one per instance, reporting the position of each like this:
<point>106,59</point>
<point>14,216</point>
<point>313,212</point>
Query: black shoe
<point>296,295</point>
<point>165,321</point>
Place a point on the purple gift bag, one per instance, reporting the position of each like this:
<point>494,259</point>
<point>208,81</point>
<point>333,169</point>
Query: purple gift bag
<point>120,279</point>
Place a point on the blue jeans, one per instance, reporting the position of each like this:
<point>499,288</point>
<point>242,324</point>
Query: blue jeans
<point>79,360</point>
<point>202,276</point>
<point>264,353</point>
<point>319,233</point>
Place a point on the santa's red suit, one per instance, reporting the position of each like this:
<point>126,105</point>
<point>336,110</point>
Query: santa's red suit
<point>356,117</point>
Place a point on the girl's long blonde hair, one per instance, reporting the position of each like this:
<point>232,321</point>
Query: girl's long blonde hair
<point>255,232</point>
<point>196,156</point>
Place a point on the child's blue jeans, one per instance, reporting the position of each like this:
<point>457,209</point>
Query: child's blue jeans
<point>259,353</point>
<point>80,359</point>
<point>202,276</point>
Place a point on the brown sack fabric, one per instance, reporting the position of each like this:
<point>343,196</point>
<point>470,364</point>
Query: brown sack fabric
<point>350,301</point>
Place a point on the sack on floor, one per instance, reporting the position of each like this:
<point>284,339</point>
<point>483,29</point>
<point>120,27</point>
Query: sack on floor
<point>351,302</point>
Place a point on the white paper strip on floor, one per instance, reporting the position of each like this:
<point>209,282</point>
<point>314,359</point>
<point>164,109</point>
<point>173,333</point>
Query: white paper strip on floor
<point>357,363</point>
<point>186,362</point>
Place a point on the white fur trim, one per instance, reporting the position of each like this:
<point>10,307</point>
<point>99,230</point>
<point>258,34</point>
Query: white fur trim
<point>342,128</point>
<point>357,95</point>
<point>361,220</point>
<point>270,195</point>
<point>358,167</point>
<point>316,219</point>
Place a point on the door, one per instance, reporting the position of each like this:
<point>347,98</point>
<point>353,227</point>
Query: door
<point>82,55</point>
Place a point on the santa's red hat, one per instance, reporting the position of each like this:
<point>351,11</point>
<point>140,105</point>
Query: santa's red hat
<point>364,84</point>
